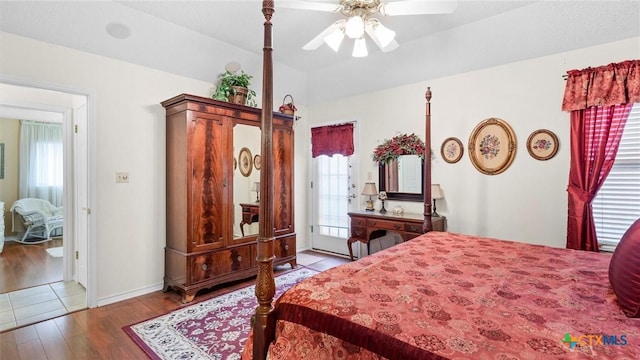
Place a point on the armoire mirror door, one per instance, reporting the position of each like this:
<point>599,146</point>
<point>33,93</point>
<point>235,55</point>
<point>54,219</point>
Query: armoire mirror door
<point>246,181</point>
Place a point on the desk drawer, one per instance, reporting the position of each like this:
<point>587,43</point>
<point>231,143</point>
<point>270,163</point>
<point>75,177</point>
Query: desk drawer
<point>359,232</point>
<point>356,221</point>
<point>414,228</point>
<point>385,224</point>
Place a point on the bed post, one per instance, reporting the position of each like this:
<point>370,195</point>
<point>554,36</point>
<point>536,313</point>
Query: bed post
<point>263,320</point>
<point>427,225</point>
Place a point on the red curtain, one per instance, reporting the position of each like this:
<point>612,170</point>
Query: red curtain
<point>595,136</point>
<point>333,139</point>
<point>600,100</point>
<point>611,84</point>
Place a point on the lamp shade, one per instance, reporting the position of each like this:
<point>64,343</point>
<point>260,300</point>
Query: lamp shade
<point>256,186</point>
<point>360,48</point>
<point>385,36</point>
<point>370,189</point>
<point>436,192</point>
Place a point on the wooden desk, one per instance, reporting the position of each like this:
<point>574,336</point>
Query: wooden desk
<point>249,214</point>
<point>369,225</point>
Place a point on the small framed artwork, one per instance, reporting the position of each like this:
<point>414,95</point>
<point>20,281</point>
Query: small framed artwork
<point>542,144</point>
<point>257,162</point>
<point>492,146</point>
<point>451,150</point>
<point>245,162</point>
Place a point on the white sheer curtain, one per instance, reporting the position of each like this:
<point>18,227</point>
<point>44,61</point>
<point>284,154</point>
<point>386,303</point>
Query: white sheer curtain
<point>41,162</point>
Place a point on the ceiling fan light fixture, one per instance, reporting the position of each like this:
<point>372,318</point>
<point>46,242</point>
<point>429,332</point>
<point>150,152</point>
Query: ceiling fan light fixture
<point>334,39</point>
<point>360,48</point>
<point>354,28</point>
<point>384,34</point>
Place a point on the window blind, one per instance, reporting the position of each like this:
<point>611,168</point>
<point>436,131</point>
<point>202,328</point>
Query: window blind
<point>617,204</point>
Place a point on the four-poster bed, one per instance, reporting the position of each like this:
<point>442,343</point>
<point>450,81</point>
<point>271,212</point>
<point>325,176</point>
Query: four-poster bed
<point>440,295</point>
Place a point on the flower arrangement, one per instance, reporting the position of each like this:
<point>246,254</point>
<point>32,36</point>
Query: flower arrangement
<point>402,144</point>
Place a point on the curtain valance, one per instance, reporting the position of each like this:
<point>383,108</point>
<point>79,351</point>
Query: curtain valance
<point>332,139</point>
<point>606,85</point>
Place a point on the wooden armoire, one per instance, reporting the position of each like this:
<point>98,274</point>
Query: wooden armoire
<point>204,245</point>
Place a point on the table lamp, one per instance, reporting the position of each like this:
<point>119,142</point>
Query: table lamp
<point>256,188</point>
<point>382,196</point>
<point>370,190</point>
<point>436,194</point>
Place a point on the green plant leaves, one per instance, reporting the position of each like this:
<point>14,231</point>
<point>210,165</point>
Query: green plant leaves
<point>225,87</point>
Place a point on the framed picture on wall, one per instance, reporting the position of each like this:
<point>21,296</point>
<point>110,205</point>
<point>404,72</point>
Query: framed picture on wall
<point>451,150</point>
<point>245,162</point>
<point>542,144</point>
<point>257,162</point>
<point>492,146</point>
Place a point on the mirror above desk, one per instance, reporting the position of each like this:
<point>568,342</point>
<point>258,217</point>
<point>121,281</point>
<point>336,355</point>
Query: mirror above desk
<point>403,178</point>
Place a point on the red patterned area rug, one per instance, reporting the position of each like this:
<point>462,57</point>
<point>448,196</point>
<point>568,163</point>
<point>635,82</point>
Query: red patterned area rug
<point>212,329</point>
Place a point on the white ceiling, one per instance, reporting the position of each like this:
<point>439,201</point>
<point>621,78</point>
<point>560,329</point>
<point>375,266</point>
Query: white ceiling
<point>196,38</point>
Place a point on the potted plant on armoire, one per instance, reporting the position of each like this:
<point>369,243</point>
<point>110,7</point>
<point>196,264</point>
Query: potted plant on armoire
<point>234,88</point>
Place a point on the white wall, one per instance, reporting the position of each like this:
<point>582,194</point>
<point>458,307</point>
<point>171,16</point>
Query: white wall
<point>528,202</point>
<point>131,138</point>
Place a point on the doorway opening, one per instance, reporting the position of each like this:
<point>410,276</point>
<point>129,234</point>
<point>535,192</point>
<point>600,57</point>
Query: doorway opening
<point>65,259</point>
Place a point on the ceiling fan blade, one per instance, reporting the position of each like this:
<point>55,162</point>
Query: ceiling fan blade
<point>417,7</point>
<point>392,45</point>
<point>309,5</point>
<point>319,39</point>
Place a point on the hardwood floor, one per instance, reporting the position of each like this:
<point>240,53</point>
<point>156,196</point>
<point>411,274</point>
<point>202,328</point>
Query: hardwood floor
<point>24,266</point>
<point>97,333</point>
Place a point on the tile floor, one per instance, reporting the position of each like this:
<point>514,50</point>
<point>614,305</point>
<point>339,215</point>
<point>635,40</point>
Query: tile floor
<point>40,303</point>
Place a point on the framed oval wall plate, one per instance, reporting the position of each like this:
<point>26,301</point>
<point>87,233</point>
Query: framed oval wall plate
<point>451,150</point>
<point>245,162</point>
<point>542,144</point>
<point>257,162</point>
<point>492,146</point>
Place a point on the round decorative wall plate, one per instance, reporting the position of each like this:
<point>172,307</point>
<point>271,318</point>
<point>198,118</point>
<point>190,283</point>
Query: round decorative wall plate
<point>542,144</point>
<point>492,146</point>
<point>245,162</point>
<point>257,162</point>
<point>451,150</point>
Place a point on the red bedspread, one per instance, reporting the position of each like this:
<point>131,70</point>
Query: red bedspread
<point>453,296</point>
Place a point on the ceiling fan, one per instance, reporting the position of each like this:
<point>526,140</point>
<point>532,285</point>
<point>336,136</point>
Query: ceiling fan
<point>360,20</point>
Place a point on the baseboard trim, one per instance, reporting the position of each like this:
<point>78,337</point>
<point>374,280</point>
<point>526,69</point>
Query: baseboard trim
<point>129,294</point>
<point>330,253</point>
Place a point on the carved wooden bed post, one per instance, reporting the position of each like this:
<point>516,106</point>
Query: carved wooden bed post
<point>427,226</point>
<point>263,320</point>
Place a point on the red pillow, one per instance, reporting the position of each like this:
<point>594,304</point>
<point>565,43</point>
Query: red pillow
<point>624,271</point>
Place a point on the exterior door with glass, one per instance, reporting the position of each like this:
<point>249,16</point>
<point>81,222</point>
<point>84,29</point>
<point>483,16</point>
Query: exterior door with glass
<point>334,192</point>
